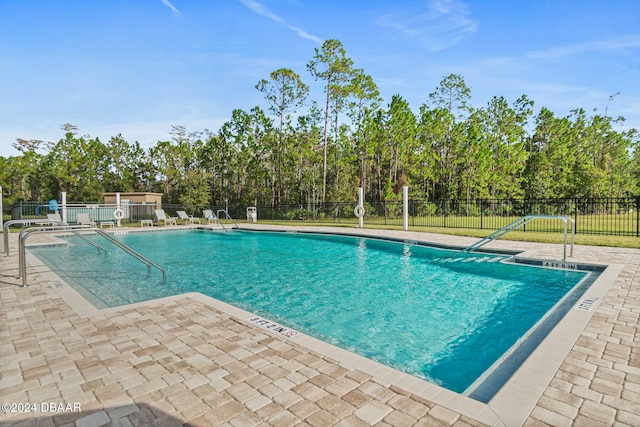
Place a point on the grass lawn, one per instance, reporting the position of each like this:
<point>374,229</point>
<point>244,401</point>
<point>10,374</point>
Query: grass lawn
<point>528,236</point>
<point>553,229</point>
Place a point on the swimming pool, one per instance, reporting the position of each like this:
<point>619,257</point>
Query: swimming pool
<point>415,308</point>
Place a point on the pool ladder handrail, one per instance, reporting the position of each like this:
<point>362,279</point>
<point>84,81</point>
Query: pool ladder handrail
<point>43,222</point>
<point>519,223</point>
<point>22,237</point>
<point>6,225</point>
<point>76,229</point>
<point>227,217</point>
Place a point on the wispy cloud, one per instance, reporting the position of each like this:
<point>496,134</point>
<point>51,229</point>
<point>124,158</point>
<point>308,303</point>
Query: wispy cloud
<point>443,24</point>
<point>261,10</point>
<point>620,44</point>
<point>170,6</point>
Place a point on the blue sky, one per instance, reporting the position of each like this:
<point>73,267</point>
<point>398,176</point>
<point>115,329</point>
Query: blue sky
<point>136,67</point>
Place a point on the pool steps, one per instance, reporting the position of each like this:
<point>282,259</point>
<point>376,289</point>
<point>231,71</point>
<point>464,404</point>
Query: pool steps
<point>460,259</point>
<point>521,222</point>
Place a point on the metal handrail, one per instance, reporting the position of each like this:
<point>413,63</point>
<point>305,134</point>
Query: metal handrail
<point>24,234</point>
<point>72,228</point>
<point>89,241</point>
<point>5,228</point>
<point>132,252</point>
<point>220,223</point>
<point>228,217</point>
<point>519,223</point>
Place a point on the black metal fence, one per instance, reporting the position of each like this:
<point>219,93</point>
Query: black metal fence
<point>618,216</point>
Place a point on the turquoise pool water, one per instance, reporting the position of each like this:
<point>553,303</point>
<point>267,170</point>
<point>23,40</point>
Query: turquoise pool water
<point>404,305</point>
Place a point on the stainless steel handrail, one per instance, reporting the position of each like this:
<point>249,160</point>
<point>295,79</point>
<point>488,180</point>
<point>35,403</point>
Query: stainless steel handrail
<point>82,226</point>
<point>5,228</point>
<point>24,234</point>
<point>131,252</point>
<point>228,217</point>
<point>220,223</point>
<point>519,223</point>
<point>72,228</point>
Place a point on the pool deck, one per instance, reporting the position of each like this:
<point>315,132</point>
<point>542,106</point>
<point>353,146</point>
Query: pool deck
<point>192,360</point>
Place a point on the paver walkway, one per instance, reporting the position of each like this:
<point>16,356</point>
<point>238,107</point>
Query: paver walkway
<point>180,361</point>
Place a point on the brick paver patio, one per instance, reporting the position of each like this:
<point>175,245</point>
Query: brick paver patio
<point>182,361</point>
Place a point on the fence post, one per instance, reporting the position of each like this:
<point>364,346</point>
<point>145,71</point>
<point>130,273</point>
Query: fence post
<point>384,205</point>
<point>575,213</point>
<point>444,205</point>
<point>413,213</point>
<point>638,216</point>
<point>405,207</point>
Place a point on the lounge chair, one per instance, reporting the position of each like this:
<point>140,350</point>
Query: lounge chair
<point>55,217</point>
<point>208,215</point>
<point>184,217</point>
<point>84,219</point>
<point>161,216</point>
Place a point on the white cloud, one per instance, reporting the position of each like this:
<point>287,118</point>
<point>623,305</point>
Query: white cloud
<point>442,25</point>
<point>302,33</point>
<point>170,6</point>
<point>620,44</point>
<point>258,8</point>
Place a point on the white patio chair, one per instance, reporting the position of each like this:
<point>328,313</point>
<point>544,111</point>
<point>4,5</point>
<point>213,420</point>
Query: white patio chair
<point>161,216</point>
<point>209,215</point>
<point>55,217</point>
<point>84,219</point>
<point>184,217</point>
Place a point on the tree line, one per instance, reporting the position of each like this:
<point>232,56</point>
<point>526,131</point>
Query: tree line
<point>296,151</point>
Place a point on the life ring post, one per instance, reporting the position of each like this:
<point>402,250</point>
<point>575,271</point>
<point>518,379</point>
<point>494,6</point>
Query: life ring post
<point>118,214</point>
<point>359,209</point>
<point>118,208</point>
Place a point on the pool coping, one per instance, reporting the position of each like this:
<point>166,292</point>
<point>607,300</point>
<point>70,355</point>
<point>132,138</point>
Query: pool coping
<point>511,405</point>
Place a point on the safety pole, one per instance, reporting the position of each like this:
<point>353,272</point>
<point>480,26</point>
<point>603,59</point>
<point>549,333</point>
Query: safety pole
<point>64,206</point>
<point>118,207</point>
<point>361,203</point>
